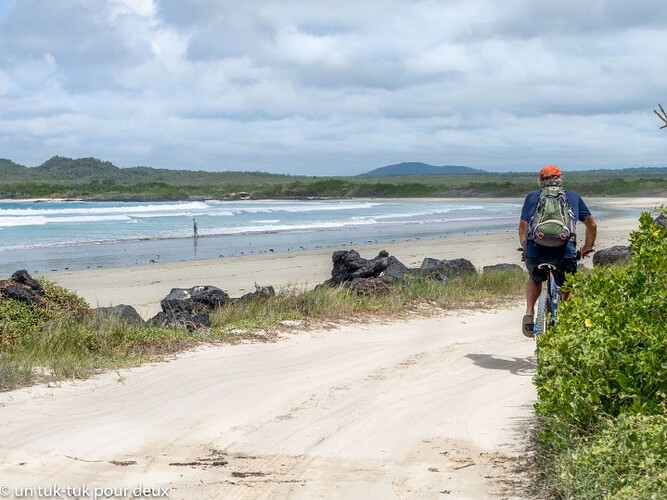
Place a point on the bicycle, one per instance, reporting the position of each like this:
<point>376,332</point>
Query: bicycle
<point>546,314</point>
<point>547,304</point>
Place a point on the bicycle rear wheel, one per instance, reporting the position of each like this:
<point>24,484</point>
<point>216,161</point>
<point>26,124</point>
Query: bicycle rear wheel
<point>543,315</point>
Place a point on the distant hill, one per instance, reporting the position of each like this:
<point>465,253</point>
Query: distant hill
<point>59,167</point>
<point>9,168</point>
<point>418,168</point>
<point>84,170</point>
<point>92,178</point>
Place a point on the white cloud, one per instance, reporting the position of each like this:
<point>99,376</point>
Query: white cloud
<point>142,7</point>
<point>333,87</point>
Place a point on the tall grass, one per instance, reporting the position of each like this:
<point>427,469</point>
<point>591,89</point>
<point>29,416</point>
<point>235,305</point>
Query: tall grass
<point>15,372</point>
<point>66,341</point>
<point>413,294</point>
<point>77,347</point>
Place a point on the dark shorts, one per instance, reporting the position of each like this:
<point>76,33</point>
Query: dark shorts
<point>562,265</point>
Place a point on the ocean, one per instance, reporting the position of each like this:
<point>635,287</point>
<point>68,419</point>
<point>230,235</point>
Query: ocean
<point>43,236</point>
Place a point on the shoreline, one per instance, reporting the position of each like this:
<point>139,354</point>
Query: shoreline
<point>154,248</point>
<point>144,286</point>
<point>136,237</point>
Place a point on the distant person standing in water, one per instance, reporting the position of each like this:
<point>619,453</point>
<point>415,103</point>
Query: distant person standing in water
<point>194,228</point>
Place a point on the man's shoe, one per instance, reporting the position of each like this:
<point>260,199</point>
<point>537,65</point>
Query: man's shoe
<point>527,326</point>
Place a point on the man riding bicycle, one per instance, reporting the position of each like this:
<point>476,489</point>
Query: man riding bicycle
<point>564,256</point>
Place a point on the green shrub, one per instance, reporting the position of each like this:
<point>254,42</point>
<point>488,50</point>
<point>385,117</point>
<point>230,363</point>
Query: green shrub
<point>602,379</point>
<point>16,319</point>
<point>20,321</point>
<point>606,356</point>
<point>59,338</point>
<point>626,460</point>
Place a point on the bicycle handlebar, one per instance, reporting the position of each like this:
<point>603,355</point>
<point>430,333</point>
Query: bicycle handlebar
<point>579,255</point>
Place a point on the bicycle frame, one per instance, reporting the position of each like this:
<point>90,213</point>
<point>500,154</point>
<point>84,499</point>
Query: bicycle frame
<point>547,304</point>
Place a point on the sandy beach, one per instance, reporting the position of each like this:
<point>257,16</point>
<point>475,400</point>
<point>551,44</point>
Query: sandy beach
<point>144,286</point>
<point>435,407</point>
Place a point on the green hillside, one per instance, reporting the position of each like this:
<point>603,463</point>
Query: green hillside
<point>91,178</point>
<point>418,168</point>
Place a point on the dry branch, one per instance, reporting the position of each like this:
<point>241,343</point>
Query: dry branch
<point>662,115</point>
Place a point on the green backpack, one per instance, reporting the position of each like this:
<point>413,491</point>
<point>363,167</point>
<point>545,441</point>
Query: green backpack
<point>552,225</point>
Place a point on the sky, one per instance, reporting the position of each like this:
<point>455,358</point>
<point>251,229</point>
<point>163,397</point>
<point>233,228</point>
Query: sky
<point>334,87</point>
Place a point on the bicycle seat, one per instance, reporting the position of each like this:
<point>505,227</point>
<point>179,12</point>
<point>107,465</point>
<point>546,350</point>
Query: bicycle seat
<point>546,265</point>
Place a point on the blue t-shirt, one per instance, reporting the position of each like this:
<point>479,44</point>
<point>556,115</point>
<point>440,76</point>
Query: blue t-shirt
<point>568,251</point>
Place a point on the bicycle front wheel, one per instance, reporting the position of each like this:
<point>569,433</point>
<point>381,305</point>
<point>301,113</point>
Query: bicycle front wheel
<point>543,314</point>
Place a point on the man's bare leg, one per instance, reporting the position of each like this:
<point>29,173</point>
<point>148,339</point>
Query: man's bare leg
<point>533,290</point>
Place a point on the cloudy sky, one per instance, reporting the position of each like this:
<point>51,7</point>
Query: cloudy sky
<point>334,87</point>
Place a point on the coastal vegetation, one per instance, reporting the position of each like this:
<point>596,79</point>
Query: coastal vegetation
<point>602,380</point>
<point>65,339</point>
<point>94,179</point>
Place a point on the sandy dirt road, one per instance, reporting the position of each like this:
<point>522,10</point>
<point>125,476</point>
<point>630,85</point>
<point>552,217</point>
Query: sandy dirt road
<point>425,408</point>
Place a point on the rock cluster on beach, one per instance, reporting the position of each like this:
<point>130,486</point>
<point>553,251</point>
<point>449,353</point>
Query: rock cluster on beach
<point>191,307</point>
<point>349,268</point>
<point>188,308</point>
<point>23,287</point>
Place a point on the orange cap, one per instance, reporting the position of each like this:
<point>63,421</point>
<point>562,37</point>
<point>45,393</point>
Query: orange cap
<point>550,171</point>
